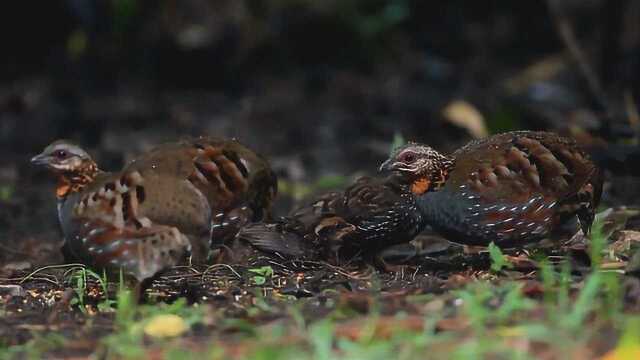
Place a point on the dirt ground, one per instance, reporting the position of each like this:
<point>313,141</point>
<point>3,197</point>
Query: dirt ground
<point>235,308</point>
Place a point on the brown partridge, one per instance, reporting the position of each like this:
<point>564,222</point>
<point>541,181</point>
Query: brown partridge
<point>510,188</point>
<point>146,217</point>
<point>370,215</point>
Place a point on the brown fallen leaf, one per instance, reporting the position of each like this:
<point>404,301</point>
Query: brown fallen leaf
<point>624,242</point>
<point>453,324</point>
<point>533,288</point>
<point>521,262</point>
<point>384,327</point>
<point>456,281</point>
<point>614,219</point>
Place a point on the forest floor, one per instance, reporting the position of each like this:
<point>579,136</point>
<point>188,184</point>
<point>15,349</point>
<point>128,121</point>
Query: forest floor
<point>572,298</point>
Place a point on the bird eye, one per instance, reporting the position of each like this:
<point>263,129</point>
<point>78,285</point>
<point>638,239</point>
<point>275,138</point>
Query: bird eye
<point>61,154</point>
<point>408,157</point>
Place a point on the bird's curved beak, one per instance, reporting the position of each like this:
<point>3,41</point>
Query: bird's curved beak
<point>40,159</point>
<point>386,166</point>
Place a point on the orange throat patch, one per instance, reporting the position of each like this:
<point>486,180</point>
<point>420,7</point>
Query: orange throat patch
<point>420,186</point>
<point>62,189</point>
<point>75,182</point>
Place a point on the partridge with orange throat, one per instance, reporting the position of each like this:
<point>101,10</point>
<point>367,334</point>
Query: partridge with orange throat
<point>511,188</point>
<point>162,206</point>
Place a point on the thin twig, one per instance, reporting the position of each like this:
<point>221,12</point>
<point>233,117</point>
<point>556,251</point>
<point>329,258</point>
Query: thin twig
<point>194,273</point>
<point>190,268</point>
<point>568,37</point>
<point>340,271</point>
<point>180,276</point>
<point>50,267</point>
<point>215,266</point>
<point>72,269</point>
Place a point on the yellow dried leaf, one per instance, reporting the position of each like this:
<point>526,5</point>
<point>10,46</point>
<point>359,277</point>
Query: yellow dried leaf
<point>628,347</point>
<point>623,353</point>
<point>167,325</point>
<point>467,116</point>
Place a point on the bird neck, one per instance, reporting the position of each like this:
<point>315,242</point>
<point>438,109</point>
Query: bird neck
<point>434,178</point>
<point>76,180</point>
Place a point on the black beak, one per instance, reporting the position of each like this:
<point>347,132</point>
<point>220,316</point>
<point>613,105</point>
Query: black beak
<point>40,159</point>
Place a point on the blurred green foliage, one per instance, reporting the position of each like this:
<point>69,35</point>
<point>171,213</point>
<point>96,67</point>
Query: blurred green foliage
<point>6,192</point>
<point>124,12</point>
<point>398,140</point>
<point>498,260</point>
<point>503,119</point>
<point>371,21</point>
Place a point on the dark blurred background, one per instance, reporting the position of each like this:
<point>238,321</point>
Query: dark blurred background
<point>323,88</point>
